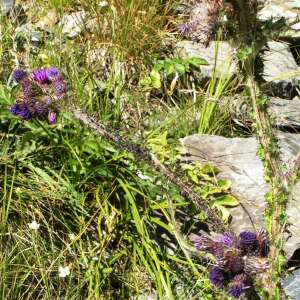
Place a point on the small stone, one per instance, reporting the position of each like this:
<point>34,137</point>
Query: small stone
<point>6,6</point>
<point>73,24</point>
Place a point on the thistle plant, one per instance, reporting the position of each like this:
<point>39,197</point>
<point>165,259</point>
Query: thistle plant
<point>41,95</point>
<point>238,259</point>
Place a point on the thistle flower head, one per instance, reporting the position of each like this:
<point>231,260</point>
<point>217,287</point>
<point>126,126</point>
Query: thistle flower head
<point>205,243</point>
<point>239,286</point>
<point>52,73</point>
<point>228,239</point>
<point>52,117</point>
<point>217,276</point>
<point>19,74</point>
<point>247,239</point>
<point>231,261</point>
<point>263,243</point>
<point>40,91</point>
<point>21,110</point>
<point>41,76</point>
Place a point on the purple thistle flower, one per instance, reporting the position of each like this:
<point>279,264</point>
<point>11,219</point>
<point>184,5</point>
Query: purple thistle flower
<point>184,28</point>
<point>21,110</point>
<point>52,73</point>
<point>205,243</point>
<point>248,239</point>
<point>60,88</point>
<point>40,76</point>
<point>40,108</point>
<point>228,239</point>
<point>263,243</point>
<point>216,276</point>
<point>52,117</point>
<point>239,286</point>
<point>19,74</point>
<point>231,261</point>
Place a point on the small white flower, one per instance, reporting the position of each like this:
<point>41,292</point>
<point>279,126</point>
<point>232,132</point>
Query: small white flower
<point>72,237</point>
<point>95,258</point>
<point>18,190</point>
<point>103,3</point>
<point>34,225</point>
<point>143,176</point>
<point>63,271</point>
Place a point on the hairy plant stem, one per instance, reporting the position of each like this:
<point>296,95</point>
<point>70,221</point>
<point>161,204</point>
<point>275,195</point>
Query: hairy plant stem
<point>278,190</point>
<point>143,155</point>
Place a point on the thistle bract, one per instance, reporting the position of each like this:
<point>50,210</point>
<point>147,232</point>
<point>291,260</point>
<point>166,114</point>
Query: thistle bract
<point>238,259</point>
<point>42,92</point>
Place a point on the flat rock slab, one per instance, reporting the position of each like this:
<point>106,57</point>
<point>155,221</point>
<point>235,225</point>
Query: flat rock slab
<point>279,70</point>
<point>291,285</point>
<point>237,160</point>
<point>286,113</point>
<point>219,55</point>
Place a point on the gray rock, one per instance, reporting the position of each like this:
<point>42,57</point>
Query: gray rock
<point>237,161</point>
<point>293,3</point>
<point>279,70</point>
<point>224,63</point>
<point>29,32</point>
<point>286,113</point>
<point>6,6</point>
<point>276,11</point>
<point>291,285</point>
<point>73,24</point>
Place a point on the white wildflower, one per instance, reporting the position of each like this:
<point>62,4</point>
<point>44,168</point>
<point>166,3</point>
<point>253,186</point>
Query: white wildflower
<point>33,225</point>
<point>63,271</point>
<point>18,190</point>
<point>143,176</point>
<point>103,3</point>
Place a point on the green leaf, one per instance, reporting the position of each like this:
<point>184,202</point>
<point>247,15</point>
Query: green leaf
<point>226,200</point>
<point>224,184</point>
<point>180,68</point>
<point>155,79</point>
<point>197,61</point>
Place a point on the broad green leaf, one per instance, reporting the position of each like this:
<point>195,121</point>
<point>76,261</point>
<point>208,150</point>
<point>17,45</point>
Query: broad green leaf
<point>197,61</point>
<point>155,79</point>
<point>226,200</point>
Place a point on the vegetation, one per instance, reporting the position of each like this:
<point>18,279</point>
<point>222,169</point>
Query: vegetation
<point>89,215</point>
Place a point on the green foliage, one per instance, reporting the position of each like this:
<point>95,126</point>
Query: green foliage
<point>211,188</point>
<point>170,66</point>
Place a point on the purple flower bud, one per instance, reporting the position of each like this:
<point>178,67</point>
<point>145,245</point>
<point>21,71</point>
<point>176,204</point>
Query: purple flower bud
<point>228,239</point>
<point>40,76</point>
<point>231,261</point>
<point>40,108</point>
<point>216,276</point>
<point>21,110</point>
<point>263,243</point>
<point>52,73</point>
<point>239,286</point>
<point>205,243</point>
<point>60,88</point>
<point>18,75</point>
<point>52,117</point>
<point>247,239</point>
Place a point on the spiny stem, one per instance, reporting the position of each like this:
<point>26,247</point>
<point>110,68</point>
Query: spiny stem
<point>143,155</point>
